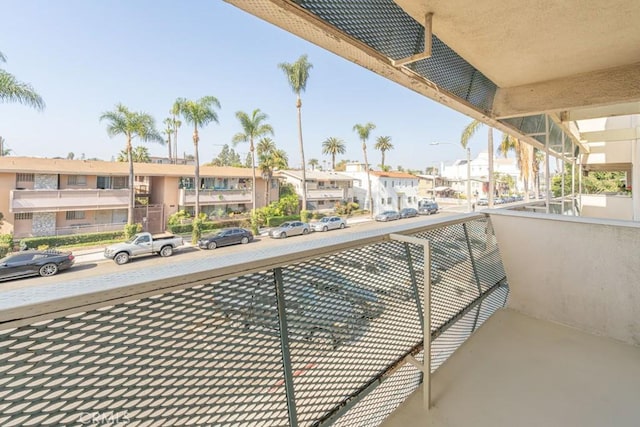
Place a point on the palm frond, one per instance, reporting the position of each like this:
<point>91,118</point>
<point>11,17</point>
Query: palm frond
<point>12,90</point>
<point>469,131</point>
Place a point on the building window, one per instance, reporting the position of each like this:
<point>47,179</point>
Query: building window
<point>382,201</point>
<point>25,177</point>
<point>393,183</point>
<point>385,184</point>
<point>388,200</point>
<point>75,215</point>
<point>77,180</point>
<point>24,216</point>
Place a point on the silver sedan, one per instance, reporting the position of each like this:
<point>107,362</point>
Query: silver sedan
<point>329,223</point>
<point>289,228</point>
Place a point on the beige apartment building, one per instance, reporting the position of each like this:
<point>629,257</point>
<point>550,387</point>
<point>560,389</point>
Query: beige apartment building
<point>40,196</point>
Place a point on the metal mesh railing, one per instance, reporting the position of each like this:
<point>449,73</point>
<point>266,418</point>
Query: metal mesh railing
<point>214,354</point>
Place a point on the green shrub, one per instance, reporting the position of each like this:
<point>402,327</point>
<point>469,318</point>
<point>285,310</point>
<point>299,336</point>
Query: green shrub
<point>179,217</point>
<point>196,230</point>
<point>208,226</point>
<point>346,208</point>
<point>318,215</point>
<point>70,240</point>
<point>5,249</point>
<point>277,220</point>
<point>131,229</point>
<point>305,215</point>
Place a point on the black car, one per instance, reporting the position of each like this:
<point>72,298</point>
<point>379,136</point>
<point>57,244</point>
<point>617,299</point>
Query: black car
<point>323,305</point>
<point>408,213</point>
<point>225,237</point>
<point>33,263</point>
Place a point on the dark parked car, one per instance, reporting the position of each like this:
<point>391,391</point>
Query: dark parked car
<point>408,213</point>
<point>387,216</point>
<point>428,208</point>
<point>33,263</point>
<point>225,237</point>
<point>322,305</point>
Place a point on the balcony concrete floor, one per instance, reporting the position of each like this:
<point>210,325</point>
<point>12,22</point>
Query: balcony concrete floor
<point>520,371</point>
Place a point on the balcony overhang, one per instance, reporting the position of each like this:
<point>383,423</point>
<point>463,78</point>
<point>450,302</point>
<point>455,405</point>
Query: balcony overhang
<point>22,201</point>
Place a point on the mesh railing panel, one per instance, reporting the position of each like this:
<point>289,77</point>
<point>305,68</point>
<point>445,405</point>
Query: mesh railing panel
<point>211,354</point>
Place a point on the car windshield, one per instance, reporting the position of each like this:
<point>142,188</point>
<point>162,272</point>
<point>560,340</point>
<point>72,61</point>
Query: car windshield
<point>324,219</point>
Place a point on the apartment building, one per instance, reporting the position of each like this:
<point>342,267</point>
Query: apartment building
<point>324,189</point>
<point>40,196</point>
<point>390,190</point>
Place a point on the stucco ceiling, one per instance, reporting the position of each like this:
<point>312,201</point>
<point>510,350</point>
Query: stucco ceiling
<point>519,42</point>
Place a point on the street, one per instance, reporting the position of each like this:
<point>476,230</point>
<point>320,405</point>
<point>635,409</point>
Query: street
<point>96,264</point>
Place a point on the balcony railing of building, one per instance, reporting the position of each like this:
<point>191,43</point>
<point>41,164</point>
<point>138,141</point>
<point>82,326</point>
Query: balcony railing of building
<point>326,194</point>
<point>88,228</point>
<point>208,196</point>
<point>63,200</point>
<point>318,332</point>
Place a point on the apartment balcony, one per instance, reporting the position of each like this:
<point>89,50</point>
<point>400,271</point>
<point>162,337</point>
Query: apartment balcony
<point>528,320</point>
<point>215,197</point>
<point>66,200</point>
<point>326,194</point>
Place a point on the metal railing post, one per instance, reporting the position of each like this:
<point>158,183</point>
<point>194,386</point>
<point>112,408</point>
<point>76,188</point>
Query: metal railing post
<point>284,344</point>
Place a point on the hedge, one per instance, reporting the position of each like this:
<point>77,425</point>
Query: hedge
<point>207,226</point>
<point>4,249</point>
<point>71,239</point>
<point>275,221</point>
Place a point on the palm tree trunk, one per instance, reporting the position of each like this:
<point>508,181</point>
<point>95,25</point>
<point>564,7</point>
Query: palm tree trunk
<point>267,190</point>
<point>333,161</point>
<point>169,145</point>
<point>175,140</point>
<point>132,195</point>
<point>253,176</point>
<point>197,171</point>
<point>382,159</point>
<point>366,168</point>
<point>304,171</point>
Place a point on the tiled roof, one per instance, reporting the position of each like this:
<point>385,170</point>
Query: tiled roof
<point>393,174</point>
<point>94,167</point>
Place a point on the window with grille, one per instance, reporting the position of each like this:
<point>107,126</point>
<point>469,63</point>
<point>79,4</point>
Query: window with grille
<point>77,180</point>
<point>24,216</point>
<point>75,215</point>
<point>24,177</point>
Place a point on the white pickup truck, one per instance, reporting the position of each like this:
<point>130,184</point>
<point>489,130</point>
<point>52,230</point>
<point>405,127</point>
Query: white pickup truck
<point>143,244</point>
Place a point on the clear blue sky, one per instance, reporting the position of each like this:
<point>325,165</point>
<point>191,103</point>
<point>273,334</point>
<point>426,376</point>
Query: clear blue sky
<point>84,57</point>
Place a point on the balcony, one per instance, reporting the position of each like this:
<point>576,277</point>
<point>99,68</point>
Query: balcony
<point>216,197</point>
<point>332,332</point>
<point>65,200</point>
<point>326,194</point>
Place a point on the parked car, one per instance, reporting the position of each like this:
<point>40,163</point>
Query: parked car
<point>33,263</point>
<point>428,208</point>
<point>225,237</point>
<point>329,223</point>
<point>408,213</point>
<point>387,216</point>
<point>289,228</point>
<point>143,244</point>
<point>483,202</point>
<point>323,305</point>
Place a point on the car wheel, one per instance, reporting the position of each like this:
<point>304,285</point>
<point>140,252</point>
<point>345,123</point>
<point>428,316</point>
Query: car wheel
<point>325,228</point>
<point>244,240</point>
<point>212,245</point>
<point>121,258</point>
<point>166,251</point>
<point>283,235</point>
<point>305,231</point>
<point>342,225</point>
<point>48,270</point>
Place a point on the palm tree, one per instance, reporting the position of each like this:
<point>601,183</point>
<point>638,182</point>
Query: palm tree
<point>168,131</point>
<point>268,162</point>
<point>297,75</point>
<point>265,145</point>
<point>139,154</point>
<point>524,153</point>
<point>131,124</point>
<point>198,113</point>
<point>363,132</point>
<point>253,127</point>
<point>467,133</point>
<point>176,123</point>
<point>313,163</point>
<point>333,146</point>
<point>12,90</point>
<point>4,151</point>
<point>383,144</point>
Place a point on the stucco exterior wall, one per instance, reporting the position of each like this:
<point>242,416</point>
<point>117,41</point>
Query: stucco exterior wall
<point>607,206</point>
<point>580,272</point>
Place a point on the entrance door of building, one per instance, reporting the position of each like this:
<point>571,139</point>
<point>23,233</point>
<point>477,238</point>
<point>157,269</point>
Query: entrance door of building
<point>151,217</point>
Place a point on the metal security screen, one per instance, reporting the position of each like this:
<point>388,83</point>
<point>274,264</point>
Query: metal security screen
<point>316,342</point>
